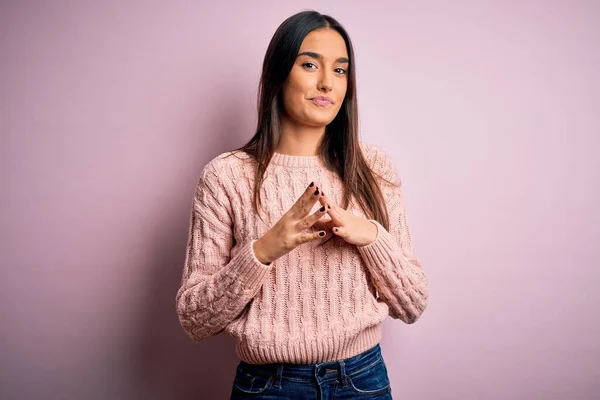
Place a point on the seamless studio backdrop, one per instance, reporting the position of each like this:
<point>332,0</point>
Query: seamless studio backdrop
<point>109,110</point>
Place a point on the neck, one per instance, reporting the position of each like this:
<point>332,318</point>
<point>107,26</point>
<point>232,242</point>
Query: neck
<point>299,140</point>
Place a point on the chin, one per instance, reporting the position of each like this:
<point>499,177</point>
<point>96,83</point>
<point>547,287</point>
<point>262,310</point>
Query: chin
<point>319,123</point>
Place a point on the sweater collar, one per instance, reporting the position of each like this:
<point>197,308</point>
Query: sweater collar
<point>296,161</point>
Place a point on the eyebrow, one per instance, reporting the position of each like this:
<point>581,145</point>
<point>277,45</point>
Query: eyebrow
<point>320,57</point>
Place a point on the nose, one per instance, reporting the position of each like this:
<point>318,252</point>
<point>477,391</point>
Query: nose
<point>325,81</point>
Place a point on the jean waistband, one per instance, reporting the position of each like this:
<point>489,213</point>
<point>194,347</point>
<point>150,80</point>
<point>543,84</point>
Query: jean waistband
<point>319,371</point>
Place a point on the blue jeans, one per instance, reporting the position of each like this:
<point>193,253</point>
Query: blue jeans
<point>363,376</point>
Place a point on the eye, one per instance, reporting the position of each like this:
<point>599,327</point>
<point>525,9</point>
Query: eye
<point>341,69</point>
<point>308,63</point>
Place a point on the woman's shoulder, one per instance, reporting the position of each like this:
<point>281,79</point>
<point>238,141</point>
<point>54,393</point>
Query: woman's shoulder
<point>375,155</point>
<point>228,163</point>
<point>370,149</point>
<point>379,161</point>
<point>225,171</point>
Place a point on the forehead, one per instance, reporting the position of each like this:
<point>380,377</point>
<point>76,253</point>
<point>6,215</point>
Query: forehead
<point>327,42</point>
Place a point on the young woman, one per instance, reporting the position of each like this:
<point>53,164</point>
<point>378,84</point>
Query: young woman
<point>298,243</point>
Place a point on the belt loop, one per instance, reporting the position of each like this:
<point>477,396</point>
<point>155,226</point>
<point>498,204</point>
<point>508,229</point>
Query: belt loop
<point>278,374</point>
<point>343,372</point>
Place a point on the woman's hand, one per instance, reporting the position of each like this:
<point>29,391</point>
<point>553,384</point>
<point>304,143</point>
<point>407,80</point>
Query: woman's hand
<point>287,233</point>
<point>353,229</point>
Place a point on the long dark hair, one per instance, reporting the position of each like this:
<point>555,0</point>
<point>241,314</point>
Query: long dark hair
<point>340,148</point>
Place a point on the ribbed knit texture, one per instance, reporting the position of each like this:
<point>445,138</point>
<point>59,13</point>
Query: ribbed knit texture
<point>314,304</point>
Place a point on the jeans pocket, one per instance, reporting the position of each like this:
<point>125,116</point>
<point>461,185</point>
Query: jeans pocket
<point>251,381</point>
<point>371,380</point>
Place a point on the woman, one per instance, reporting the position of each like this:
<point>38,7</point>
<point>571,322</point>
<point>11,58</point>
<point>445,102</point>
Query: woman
<point>298,243</point>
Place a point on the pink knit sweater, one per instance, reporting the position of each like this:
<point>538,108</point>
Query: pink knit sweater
<point>314,304</point>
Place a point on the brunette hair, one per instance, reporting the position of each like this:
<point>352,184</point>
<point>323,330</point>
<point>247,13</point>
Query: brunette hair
<point>340,147</point>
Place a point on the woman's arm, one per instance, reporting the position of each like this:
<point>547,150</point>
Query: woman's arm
<point>215,287</point>
<point>396,271</point>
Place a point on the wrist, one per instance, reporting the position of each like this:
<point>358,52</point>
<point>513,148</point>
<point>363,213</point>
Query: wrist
<point>259,253</point>
<point>372,233</point>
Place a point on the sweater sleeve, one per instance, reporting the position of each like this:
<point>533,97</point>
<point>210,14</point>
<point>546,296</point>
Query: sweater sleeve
<point>216,284</point>
<point>396,271</point>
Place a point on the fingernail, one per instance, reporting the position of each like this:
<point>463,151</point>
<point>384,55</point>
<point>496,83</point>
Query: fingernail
<point>316,192</point>
<point>323,193</point>
<point>321,234</point>
<point>311,184</point>
<point>322,209</point>
<point>328,206</point>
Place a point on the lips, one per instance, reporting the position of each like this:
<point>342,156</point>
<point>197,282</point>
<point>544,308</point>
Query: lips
<point>322,101</point>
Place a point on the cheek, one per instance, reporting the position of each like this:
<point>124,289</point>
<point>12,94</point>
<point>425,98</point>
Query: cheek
<point>294,96</point>
<point>343,89</point>
<point>297,91</point>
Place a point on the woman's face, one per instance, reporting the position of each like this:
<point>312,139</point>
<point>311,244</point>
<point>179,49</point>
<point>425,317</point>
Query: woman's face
<point>320,70</point>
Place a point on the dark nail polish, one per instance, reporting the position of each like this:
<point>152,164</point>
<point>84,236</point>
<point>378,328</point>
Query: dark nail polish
<point>323,193</point>
<point>321,234</point>
<point>316,192</point>
<point>322,209</point>
<point>311,184</point>
<point>328,206</point>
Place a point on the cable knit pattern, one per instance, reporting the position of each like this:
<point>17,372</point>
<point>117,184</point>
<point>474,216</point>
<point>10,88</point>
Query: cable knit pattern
<point>314,304</point>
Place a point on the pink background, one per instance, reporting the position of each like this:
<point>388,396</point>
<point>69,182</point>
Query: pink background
<point>109,110</point>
